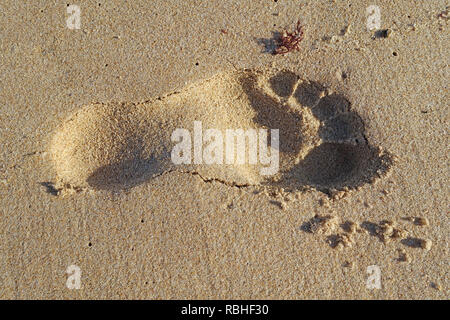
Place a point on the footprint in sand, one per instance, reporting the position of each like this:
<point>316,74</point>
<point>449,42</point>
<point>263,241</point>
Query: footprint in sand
<point>322,142</point>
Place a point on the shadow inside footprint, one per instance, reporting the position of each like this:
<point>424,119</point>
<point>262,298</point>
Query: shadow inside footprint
<point>131,168</point>
<point>125,174</point>
<point>343,127</point>
<point>344,159</point>
<point>283,83</point>
<point>308,93</point>
<point>329,163</point>
<point>330,106</point>
<point>334,166</point>
<point>272,114</point>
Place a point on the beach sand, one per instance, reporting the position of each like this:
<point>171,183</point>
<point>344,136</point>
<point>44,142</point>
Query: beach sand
<point>87,177</point>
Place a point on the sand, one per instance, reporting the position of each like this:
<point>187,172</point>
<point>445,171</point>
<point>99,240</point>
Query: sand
<point>87,177</point>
